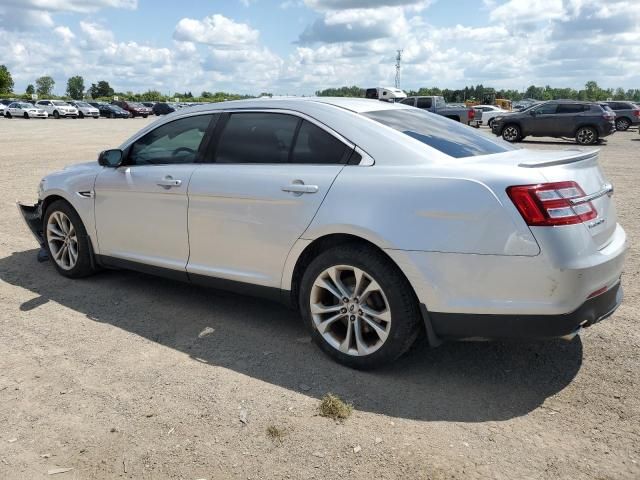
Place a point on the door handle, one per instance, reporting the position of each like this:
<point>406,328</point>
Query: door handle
<point>300,188</point>
<point>169,182</point>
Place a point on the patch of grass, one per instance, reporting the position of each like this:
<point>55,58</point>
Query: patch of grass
<point>334,407</point>
<point>276,434</point>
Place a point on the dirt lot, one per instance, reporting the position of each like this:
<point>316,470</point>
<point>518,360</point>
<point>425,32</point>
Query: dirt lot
<point>108,376</point>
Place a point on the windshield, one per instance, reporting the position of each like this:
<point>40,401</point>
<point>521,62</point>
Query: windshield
<point>59,103</point>
<point>447,136</point>
<point>82,104</point>
<point>25,105</point>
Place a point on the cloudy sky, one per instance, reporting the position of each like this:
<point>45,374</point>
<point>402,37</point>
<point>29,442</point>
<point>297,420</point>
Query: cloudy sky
<point>299,46</point>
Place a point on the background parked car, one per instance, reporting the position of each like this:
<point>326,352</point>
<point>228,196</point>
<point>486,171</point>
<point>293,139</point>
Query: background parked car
<point>148,104</point>
<point>488,113</point>
<point>110,111</point>
<point>585,121</point>
<point>85,110</point>
<point>163,108</point>
<point>25,110</point>
<point>436,104</point>
<point>627,114</point>
<point>134,108</point>
<point>58,108</point>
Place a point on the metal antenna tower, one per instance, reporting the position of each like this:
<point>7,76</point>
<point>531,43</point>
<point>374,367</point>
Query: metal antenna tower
<point>398,60</point>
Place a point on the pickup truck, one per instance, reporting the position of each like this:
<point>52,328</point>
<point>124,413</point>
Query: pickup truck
<point>436,104</point>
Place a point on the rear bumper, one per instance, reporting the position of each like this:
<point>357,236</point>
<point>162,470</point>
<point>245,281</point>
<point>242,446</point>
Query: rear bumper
<point>32,216</point>
<point>457,326</point>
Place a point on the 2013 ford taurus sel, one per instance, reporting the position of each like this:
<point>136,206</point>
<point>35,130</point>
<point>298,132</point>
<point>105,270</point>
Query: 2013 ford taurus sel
<point>376,220</point>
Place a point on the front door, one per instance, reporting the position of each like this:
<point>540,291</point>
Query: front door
<point>264,182</point>
<point>542,121</point>
<point>141,206</point>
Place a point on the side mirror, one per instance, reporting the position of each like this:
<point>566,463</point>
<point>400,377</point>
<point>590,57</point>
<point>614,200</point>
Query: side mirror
<point>110,158</point>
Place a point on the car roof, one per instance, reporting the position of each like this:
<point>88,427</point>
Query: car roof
<point>357,105</point>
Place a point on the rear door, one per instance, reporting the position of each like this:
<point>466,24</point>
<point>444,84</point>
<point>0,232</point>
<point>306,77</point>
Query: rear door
<point>141,207</point>
<point>267,175</point>
<point>567,118</point>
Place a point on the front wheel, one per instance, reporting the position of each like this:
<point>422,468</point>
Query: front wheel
<point>511,133</point>
<point>490,124</point>
<point>586,136</point>
<point>26,115</point>
<point>112,115</point>
<point>56,115</point>
<point>8,115</point>
<point>66,241</point>
<point>81,115</point>
<point>622,124</point>
<point>359,306</point>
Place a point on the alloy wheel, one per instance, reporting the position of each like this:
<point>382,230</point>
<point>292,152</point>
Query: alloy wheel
<point>62,240</point>
<point>586,136</point>
<point>510,134</point>
<point>622,124</point>
<point>350,310</point>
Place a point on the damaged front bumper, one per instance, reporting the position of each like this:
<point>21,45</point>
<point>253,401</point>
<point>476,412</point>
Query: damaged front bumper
<point>32,215</point>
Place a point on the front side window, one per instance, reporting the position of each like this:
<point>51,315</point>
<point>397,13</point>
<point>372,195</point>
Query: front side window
<point>447,136</point>
<point>256,137</point>
<point>407,101</point>
<point>424,103</point>
<point>174,142</point>
<point>547,109</point>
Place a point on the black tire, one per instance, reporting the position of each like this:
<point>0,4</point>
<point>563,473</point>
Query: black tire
<point>402,303</point>
<point>490,124</point>
<point>84,265</point>
<point>145,116</point>
<point>81,115</point>
<point>56,115</point>
<point>8,115</point>
<point>511,133</point>
<point>26,115</point>
<point>622,124</point>
<point>112,115</point>
<point>586,136</point>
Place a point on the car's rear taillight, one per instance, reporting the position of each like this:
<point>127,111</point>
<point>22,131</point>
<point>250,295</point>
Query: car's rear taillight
<point>636,113</point>
<point>550,204</point>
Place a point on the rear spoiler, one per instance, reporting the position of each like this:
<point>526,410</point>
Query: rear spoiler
<point>568,156</point>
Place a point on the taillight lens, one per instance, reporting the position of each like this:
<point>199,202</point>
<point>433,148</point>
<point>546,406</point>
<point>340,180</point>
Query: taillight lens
<point>548,204</point>
<point>636,113</point>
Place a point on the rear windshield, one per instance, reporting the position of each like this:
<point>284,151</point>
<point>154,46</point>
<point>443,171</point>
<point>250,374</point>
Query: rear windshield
<point>447,136</point>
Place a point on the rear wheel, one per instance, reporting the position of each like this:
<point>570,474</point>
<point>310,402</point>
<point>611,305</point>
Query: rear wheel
<point>586,136</point>
<point>360,308</point>
<point>622,124</point>
<point>490,124</point>
<point>511,133</point>
<point>66,241</point>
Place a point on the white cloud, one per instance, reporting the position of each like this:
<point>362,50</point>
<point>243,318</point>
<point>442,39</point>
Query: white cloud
<point>64,33</point>
<point>95,35</point>
<point>217,31</point>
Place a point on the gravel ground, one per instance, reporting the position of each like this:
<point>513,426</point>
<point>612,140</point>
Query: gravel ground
<point>108,376</point>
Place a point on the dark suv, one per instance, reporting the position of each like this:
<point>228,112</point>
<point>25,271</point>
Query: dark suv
<point>627,114</point>
<point>585,121</point>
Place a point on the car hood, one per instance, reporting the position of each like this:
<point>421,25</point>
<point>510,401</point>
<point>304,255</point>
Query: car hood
<point>83,167</point>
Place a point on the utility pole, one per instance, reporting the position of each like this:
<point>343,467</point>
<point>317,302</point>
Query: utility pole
<point>398,60</point>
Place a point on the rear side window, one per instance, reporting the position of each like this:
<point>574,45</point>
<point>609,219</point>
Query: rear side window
<point>176,142</point>
<point>424,102</point>
<point>314,145</point>
<point>446,136</point>
<point>256,138</point>
<point>571,108</point>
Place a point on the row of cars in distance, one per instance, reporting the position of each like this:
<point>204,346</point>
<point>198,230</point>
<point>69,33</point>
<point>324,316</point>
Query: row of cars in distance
<point>73,109</point>
<point>586,122</point>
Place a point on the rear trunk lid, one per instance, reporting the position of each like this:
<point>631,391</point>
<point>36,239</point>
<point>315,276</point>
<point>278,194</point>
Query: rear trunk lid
<point>583,168</point>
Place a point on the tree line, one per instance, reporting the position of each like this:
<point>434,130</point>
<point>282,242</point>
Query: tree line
<point>101,90</point>
<point>592,92</point>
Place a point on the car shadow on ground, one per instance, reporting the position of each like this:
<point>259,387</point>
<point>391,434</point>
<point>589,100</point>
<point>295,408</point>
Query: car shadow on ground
<point>469,382</point>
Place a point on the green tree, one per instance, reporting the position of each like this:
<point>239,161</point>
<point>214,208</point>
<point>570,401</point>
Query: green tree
<point>101,89</point>
<point>6,81</point>
<point>75,87</point>
<point>151,96</point>
<point>44,86</point>
<point>30,89</point>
